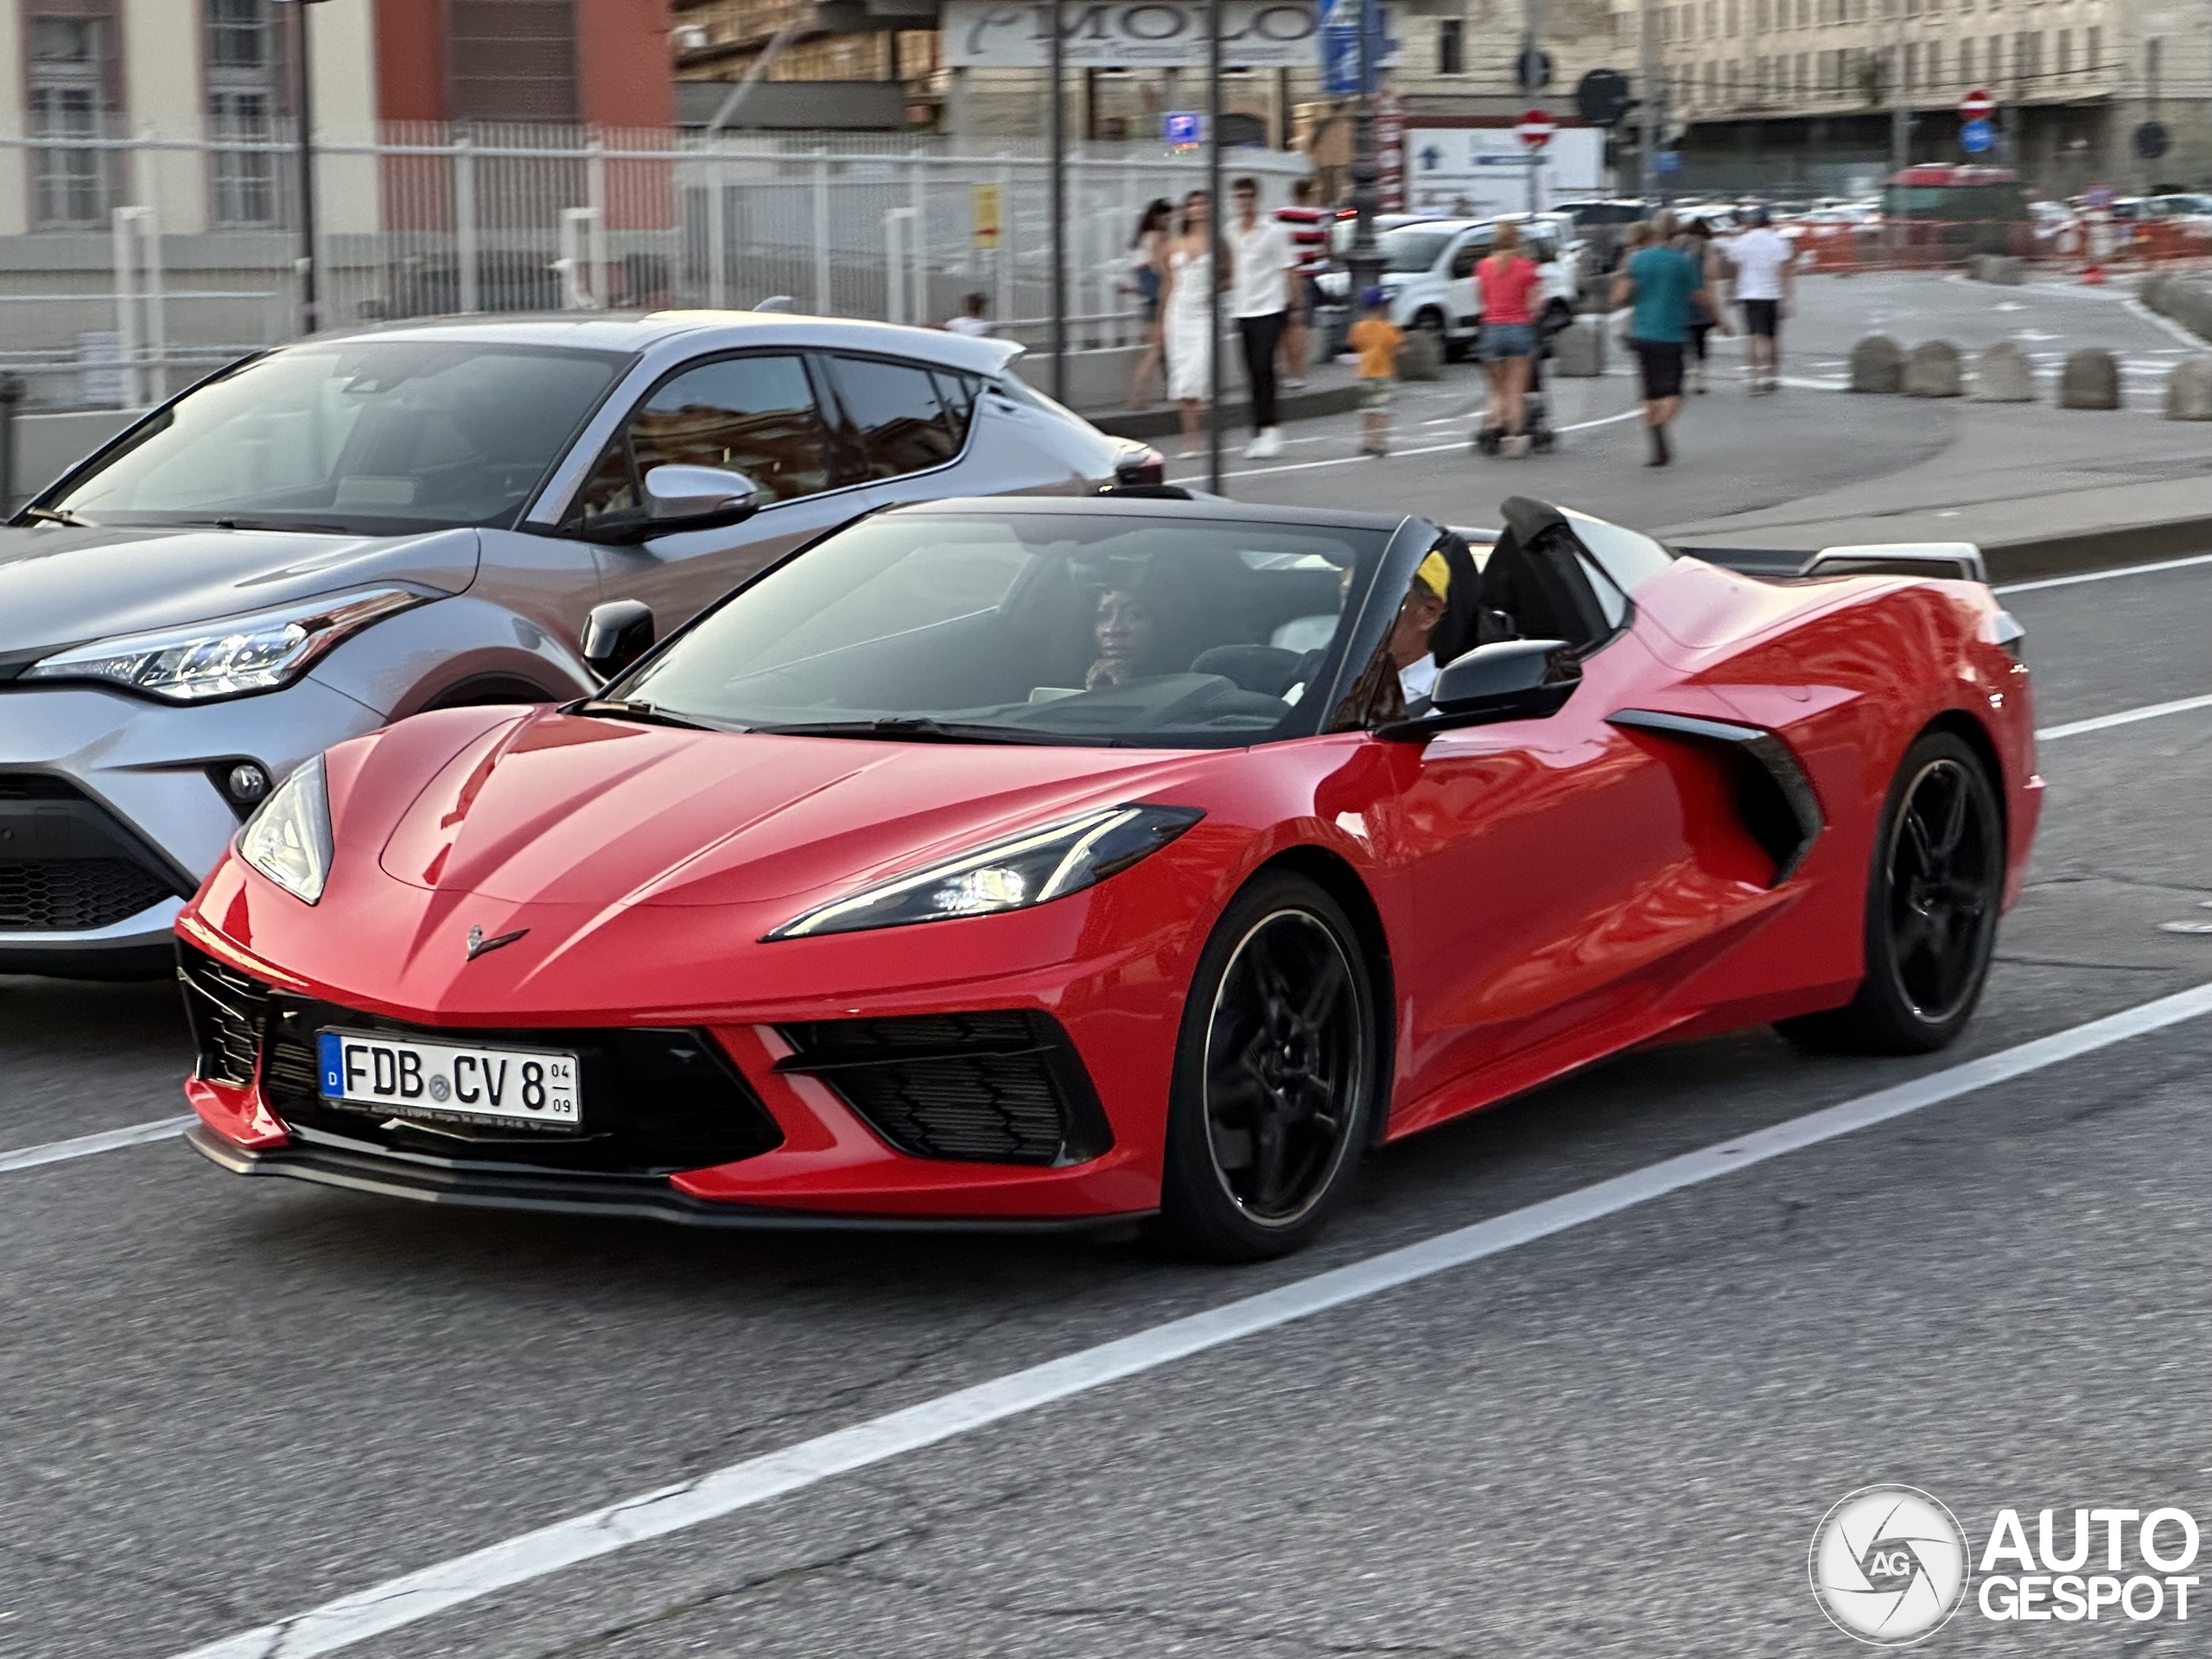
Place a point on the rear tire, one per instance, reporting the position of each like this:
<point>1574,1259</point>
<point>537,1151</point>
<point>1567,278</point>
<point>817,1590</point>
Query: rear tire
<point>1275,1077</point>
<point>1932,902</point>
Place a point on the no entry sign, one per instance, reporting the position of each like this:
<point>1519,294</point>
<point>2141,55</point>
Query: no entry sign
<point>1977,105</point>
<point>1535,129</point>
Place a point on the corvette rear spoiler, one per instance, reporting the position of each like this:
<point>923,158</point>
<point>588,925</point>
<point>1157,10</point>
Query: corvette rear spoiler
<point>1952,561</point>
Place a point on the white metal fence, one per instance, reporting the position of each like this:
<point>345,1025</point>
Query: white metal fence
<point>166,257</point>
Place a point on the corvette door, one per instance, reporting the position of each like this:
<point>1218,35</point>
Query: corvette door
<point>755,413</point>
<point>1568,870</point>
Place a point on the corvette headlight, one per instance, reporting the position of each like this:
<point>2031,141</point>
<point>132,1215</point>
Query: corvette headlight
<point>1014,874</point>
<point>229,656</point>
<point>289,839</point>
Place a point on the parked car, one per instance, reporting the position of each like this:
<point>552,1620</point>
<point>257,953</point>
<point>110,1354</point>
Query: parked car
<point>1428,272</point>
<point>354,528</point>
<point>1603,225</point>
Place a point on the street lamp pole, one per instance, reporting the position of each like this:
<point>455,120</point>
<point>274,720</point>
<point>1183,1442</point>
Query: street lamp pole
<point>303,110</point>
<point>1216,230</point>
<point>1647,102</point>
<point>1365,265</point>
<point>1056,123</point>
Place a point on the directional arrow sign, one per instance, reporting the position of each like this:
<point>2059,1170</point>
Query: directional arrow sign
<point>1977,105</point>
<point>1535,129</point>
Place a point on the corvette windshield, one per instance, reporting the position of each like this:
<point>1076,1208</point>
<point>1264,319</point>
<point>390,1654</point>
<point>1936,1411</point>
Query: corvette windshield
<point>361,437</point>
<point>1026,627</point>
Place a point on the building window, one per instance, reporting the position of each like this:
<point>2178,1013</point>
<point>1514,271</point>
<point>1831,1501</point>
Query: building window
<point>1935,64</point>
<point>1712,18</point>
<point>1994,71</point>
<point>1451,46</point>
<point>1734,17</point>
<point>2065,51</point>
<point>2093,48</point>
<point>242,69</point>
<point>68,101</point>
<point>1966,62</point>
<point>1762,14</point>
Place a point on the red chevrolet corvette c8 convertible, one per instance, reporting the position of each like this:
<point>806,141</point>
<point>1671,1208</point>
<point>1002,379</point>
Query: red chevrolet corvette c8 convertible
<point>1032,863</point>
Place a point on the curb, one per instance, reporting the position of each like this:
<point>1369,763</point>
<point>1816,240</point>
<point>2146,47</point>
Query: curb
<point>1166,422</point>
<point>2095,550</point>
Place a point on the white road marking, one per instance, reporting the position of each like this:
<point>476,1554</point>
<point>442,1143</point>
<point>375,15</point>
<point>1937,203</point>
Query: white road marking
<point>58,1152</point>
<point>1399,455</point>
<point>434,1589</point>
<point>2124,717</point>
<point>2105,575</point>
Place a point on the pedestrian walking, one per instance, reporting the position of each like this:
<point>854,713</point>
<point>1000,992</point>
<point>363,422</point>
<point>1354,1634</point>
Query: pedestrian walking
<point>1376,338</point>
<point>1148,275</point>
<point>1695,243</point>
<point>1188,282</point>
<point>1308,229</point>
<point>1766,284</point>
<point>1260,261</point>
<point>1505,279</point>
<point>1663,286</point>
<point>974,320</point>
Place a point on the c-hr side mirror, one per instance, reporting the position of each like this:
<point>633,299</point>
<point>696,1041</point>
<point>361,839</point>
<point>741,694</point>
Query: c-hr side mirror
<point>697,498</point>
<point>615,635</point>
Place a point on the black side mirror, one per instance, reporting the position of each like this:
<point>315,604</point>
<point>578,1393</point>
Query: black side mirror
<point>1510,679</point>
<point>615,635</point>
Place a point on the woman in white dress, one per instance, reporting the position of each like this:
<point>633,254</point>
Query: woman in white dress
<point>1187,306</point>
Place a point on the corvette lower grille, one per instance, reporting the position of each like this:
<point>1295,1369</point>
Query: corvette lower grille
<point>654,1100</point>
<point>1005,1086</point>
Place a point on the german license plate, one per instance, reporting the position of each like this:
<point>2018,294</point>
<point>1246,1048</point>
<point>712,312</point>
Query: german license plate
<point>408,1078</point>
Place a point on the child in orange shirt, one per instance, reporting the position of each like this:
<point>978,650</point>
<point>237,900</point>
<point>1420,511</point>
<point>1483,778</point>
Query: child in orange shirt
<point>1376,338</point>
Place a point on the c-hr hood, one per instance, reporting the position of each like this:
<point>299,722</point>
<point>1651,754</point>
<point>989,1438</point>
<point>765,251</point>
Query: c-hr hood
<point>60,585</point>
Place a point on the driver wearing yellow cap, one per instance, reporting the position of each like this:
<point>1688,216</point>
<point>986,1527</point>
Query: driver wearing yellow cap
<point>1418,616</point>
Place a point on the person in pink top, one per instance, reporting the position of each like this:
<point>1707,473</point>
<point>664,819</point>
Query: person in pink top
<point>1504,283</point>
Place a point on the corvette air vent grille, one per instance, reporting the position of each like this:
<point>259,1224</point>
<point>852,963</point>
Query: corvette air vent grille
<point>227,1010</point>
<point>997,1087</point>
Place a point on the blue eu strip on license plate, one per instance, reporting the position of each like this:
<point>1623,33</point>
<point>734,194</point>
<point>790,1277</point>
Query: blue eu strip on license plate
<point>331,1061</point>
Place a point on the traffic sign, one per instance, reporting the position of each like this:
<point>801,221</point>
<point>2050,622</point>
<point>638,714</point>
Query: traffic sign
<point>1976,135</point>
<point>1183,128</point>
<point>1532,70</point>
<point>2151,141</point>
<point>1601,97</point>
<point>987,215</point>
<point>1535,129</point>
<point>1667,161</point>
<point>2100,197</point>
<point>1977,105</point>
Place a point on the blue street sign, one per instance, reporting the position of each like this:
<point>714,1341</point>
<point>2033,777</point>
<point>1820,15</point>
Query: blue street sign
<point>1183,128</point>
<point>1974,136</point>
<point>1667,160</point>
<point>1339,36</point>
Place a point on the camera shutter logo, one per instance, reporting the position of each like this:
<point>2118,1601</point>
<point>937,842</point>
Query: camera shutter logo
<point>1889,1565</point>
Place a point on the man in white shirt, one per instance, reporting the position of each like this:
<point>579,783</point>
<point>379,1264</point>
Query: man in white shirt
<point>1262,258</point>
<point>1765,285</point>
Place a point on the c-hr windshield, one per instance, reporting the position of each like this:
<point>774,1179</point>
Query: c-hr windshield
<point>359,436</point>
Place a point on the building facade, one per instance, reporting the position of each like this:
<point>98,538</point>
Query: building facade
<point>1800,93</point>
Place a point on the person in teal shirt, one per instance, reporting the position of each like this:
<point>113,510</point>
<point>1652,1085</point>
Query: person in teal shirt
<point>1665,287</point>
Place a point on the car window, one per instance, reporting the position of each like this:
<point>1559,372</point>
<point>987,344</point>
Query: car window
<point>897,416</point>
<point>1409,249</point>
<point>1041,627</point>
<point>1464,259</point>
<point>1541,246</point>
<point>366,436</point>
<point>751,415</point>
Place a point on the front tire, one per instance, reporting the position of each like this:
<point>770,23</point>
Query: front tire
<point>1932,902</point>
<point>1275,1077</point>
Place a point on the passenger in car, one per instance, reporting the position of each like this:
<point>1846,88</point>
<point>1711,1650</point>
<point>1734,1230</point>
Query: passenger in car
<point>1412,645</point>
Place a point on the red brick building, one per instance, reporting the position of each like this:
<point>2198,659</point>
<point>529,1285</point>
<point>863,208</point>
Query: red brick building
<point>590,62</point>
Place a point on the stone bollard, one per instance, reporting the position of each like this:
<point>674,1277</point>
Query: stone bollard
<point>2091,381</point>
<point>2189,390</point>
<point>1579,351</point>
<point>2002,269</point>
<point>1878,364</point>
<point>1932,371</point>
<point>1422,358</point>
<point>2002,374</point>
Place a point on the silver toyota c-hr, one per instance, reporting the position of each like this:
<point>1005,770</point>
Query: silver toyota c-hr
<point>354,528</point>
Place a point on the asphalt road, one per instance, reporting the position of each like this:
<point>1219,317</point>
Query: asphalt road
<point>228,1404</point>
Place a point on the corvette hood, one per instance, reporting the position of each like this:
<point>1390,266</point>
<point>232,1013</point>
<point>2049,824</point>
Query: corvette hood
<point>559,810</point>
<point>61,586</point>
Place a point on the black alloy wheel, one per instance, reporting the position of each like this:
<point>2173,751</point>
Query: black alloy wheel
<point>1275,1075</point>
<point>1933,898</point>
